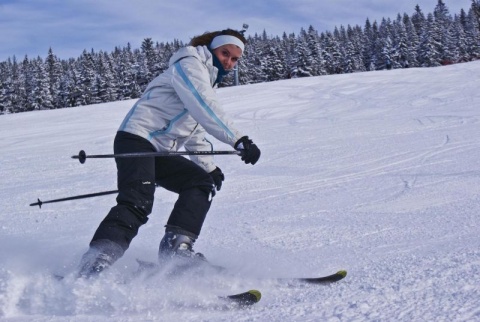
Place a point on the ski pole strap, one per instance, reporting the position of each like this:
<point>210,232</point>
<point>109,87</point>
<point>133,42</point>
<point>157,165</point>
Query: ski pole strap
<point>82,156</point>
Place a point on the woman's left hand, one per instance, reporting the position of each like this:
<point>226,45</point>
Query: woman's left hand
<point>218,177</point>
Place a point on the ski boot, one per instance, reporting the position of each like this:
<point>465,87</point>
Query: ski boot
<point>100,256</point>
<point>176,254</point>
<point>178,244</point>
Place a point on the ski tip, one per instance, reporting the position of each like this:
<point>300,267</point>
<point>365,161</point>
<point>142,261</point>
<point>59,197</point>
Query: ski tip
<point>256,294</point>
<point>326,279</point>
<point>342,273</point>
<point>246,298</point>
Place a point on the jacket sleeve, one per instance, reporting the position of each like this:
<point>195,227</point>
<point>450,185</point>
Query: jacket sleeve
<point>191,81</point>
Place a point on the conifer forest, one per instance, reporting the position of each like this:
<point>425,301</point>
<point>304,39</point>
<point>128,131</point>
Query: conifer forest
<point>416,40</point>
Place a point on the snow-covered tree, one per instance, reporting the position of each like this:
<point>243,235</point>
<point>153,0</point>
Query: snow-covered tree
<point>428,54</point>
<point>418,40</point>
<point>54,71</point>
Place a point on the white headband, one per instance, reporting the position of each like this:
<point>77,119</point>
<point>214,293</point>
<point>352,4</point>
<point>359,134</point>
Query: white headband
<point>226,40</point>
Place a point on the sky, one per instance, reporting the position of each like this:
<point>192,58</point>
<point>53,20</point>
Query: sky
<point>31,27</point>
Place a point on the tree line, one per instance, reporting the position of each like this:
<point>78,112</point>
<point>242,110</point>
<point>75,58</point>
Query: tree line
<point>417,40</point>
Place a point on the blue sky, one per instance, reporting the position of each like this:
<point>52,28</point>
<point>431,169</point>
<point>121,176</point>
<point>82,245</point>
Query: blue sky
<point>31,27</point>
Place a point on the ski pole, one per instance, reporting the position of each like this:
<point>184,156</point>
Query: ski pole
<point>39,203</point>
<point>82,156</point>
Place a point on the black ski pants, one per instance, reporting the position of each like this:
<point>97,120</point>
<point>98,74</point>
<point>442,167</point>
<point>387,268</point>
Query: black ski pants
<point>137,177</point>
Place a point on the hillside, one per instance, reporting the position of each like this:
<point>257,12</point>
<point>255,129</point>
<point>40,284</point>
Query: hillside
<point>376,173</point>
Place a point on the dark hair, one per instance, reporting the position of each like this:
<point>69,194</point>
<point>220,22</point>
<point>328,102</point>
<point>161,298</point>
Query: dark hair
<point>206,38</point>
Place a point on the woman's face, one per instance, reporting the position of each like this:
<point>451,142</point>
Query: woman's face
<point>228,55</point>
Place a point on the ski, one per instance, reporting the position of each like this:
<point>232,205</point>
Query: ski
<point>247,298</point>
<point>317,280</point>
<point>327,279</point>
<point>151,268</point>
<point>243,299</point>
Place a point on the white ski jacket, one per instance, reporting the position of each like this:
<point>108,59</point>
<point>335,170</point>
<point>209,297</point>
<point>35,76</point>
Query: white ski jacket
<point>180,106</point>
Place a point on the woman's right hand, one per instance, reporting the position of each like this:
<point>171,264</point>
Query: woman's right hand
<point>250,153</point>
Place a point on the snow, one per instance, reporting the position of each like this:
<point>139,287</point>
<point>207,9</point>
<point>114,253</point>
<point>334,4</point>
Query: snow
<point>377,173</point>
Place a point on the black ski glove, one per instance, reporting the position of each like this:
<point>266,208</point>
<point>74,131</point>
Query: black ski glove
<point>250,152</point>
<point>218,177</point>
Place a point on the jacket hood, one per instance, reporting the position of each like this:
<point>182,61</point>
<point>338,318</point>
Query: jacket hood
<point>205,55</point>
<point>201,52</point>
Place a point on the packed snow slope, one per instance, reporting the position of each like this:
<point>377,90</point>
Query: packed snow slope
<point>377,173</point>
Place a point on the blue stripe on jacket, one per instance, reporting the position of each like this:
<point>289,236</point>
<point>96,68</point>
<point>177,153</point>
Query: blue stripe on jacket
<point>167,128</point>
<point>201,101</point>
<point>146,96</point>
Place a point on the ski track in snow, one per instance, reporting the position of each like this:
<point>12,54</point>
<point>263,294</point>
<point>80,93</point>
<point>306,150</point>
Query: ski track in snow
<point>376,173</point>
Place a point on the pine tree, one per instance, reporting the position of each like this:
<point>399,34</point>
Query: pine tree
<point>29,82</point>
<point>317,61</point>
<point>255,51</point>
<point>475,9</point>
<point>418,20</point>
<point>126,73</point>
<point>402,45</point>
<point>41,92</point>
<point>85,80</point>
<point>273,61</point>
<point>149,54</point>
<point>443,33</point>
<point>332,54</point>
<point>165,51</point>
<point>385,45</point>
<point>413,42</point>
<point>461,41</point>
<point>354,48</point>
<point>472,34</point>
<point>14,87</point>
<point>2,94</point>
<point>289,44</point>
<point>66,88</point>
<point>301,60</point>
<point>428,51</point>
<point>368,50</point>
<point>109,85</point>
<point>5,106</point>
<point>54,71</point>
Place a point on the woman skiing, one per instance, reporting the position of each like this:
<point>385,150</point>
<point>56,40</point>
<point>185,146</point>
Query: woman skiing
<point>176,110</point>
